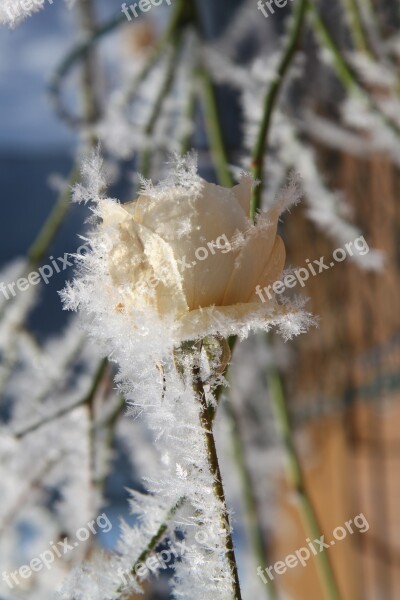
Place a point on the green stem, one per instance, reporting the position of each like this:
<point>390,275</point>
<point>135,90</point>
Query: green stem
<point>51,226</point>
<point>220,159</point>
<point>144,166</point>
<point>356,26</point>
<point>106,428</point>
<point>89,101</point>
<point>90,110</point>
<point>47,233</point>
<point>270,101</point>
<point>78,53</point>
<point>343,70</point>
<point>189,116</point>
<point>174,26</point>
<point>162,530</point>
<point>213,128</point>
<point>374,33</point>
<point>296,478</point>
<point>211,114</point>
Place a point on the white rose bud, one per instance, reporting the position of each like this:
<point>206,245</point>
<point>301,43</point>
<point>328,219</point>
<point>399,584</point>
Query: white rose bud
<point>194,258</point>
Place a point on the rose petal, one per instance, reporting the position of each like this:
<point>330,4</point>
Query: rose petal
<point>215,212</point>
<point>252,261</point>
<point>273,268</point>
<point>144,263</point>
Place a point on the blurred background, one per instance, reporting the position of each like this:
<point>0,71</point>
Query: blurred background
<point>75,74</point>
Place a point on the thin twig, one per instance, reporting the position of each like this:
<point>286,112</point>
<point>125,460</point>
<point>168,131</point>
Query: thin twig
<point>213,128</point>
<point>189,115</point>
<point>38,249</point>
<point>250,501</point>
<point>296,478</point>
<point>144,166</point>
<point>356,26</point>
<point>154,541</point>
<point>220,159</point>
<point>257,166</point>
<point>89,67</point>
<point>80,52</point>
<point>86,399</point>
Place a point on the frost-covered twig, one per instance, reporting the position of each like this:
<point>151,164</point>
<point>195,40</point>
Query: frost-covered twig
<point>81,50</point>
<point>64,410</point>
<point>207,424</point>
<point>156,539</point>
<point>345,71</point>
<point>77,54</point>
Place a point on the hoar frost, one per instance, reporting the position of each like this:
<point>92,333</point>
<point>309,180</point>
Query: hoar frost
<point>161,309</point>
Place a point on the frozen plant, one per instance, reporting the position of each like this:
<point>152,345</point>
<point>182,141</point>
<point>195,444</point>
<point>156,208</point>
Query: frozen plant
<point>171,276</point>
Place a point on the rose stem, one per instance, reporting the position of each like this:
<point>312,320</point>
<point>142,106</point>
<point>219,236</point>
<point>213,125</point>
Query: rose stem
<point>271,98</point>
<point>207,424</point>
<point>296,478</point>
<point>211,117</point>
<point>249,497</point>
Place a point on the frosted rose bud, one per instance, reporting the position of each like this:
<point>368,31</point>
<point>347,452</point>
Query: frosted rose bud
<point>194,257</point>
